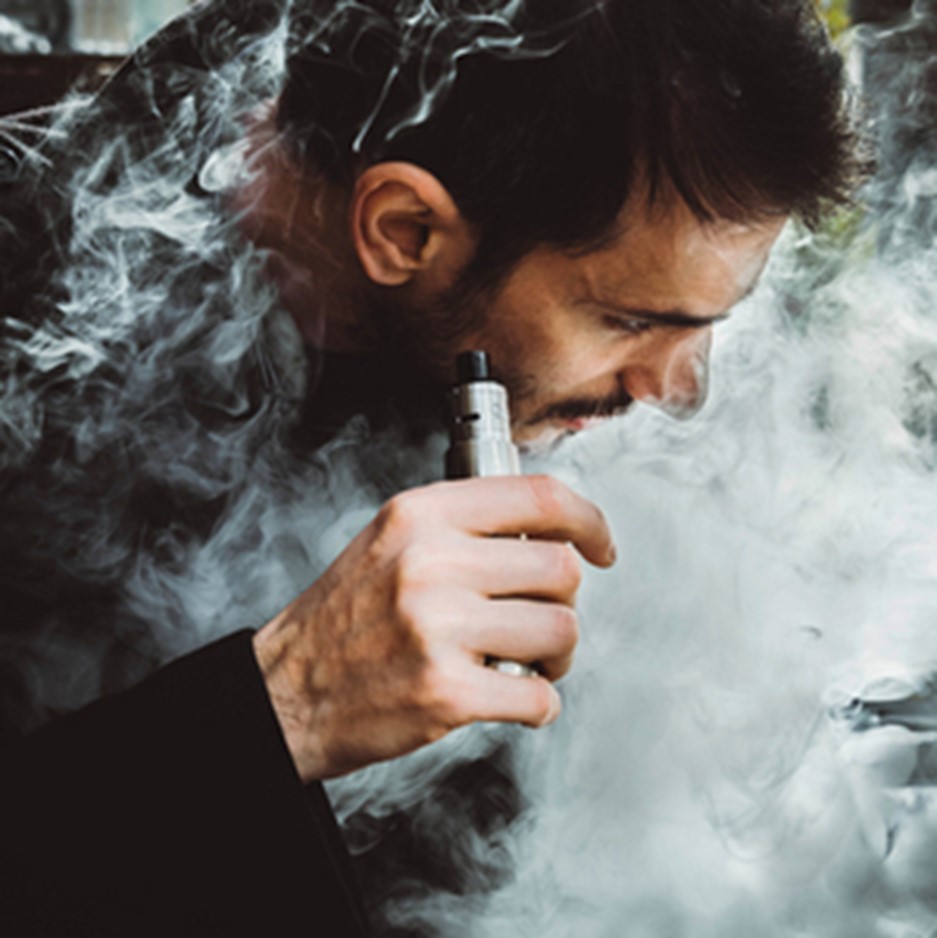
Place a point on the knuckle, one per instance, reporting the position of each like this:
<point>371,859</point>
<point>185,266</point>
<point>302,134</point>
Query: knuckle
<point>432,690</point>
<point>416,567</point>
<point>565,628</point>
<point>545,708</point>
<point>455,712</point>
<point>414,614</point>
<point>402,513</point>
<point>439,698</point>
<point>560,668</point>
<point>568,570</point>
<point>550,496</point>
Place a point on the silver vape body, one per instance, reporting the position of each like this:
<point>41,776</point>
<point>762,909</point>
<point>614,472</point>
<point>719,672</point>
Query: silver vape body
<point>480,443</point>
<point>480,432</point>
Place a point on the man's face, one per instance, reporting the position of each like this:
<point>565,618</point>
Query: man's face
<point>576,339</point>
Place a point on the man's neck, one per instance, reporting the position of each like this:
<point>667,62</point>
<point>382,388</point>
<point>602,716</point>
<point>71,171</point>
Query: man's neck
<point>297,220</point>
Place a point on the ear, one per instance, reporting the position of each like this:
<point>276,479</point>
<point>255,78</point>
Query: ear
<point>406,226</point>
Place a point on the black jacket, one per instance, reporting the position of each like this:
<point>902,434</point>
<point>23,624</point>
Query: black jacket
<point>171,809</point>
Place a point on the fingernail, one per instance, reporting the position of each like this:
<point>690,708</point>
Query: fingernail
<point>612,554</point>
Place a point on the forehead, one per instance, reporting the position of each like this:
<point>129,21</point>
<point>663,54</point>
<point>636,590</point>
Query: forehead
<point>667,258</point>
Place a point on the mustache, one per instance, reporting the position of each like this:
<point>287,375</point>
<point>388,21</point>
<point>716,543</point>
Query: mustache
<point>578,408</point>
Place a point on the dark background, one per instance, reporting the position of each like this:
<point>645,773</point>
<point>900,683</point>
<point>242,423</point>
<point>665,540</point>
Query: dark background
<point>82,48</point>
<point>48,47</point>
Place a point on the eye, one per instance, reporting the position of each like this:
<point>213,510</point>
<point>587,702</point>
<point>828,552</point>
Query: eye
<point>628,326</point>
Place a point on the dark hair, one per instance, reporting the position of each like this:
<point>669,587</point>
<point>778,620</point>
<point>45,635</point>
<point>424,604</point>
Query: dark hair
<point>541,116</point>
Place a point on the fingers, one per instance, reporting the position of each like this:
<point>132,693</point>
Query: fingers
<point>525,631</point>
<point>499,567</point>
<point>502,698</point>
<point>539,506</point>
<point>454,584</point>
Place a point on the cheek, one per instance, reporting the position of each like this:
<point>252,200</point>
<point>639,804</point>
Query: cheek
<point>519,343</point>
<point>549,348</point>
<point>583,373</point>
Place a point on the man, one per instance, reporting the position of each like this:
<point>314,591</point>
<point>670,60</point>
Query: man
<point>583,190</point>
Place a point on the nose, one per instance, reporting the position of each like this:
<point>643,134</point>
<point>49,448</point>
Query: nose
<point>674,376</point>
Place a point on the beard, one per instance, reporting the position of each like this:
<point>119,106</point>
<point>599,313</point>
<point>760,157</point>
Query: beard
<point>426,340</point>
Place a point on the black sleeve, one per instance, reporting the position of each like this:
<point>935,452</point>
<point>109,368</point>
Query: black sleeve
<point>172,809</point>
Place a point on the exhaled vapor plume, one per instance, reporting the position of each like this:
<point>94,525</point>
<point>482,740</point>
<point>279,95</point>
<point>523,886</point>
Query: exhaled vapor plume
<point>778,553</point>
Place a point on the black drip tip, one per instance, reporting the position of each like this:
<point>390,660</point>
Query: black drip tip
<point>472,366</point>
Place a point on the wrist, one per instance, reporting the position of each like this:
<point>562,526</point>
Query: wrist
<point>285,680</point>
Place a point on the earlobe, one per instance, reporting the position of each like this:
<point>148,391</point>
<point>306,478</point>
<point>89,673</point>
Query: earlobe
<point>404,224</point>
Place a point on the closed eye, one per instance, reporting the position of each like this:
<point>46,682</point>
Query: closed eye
<point>628,326</point>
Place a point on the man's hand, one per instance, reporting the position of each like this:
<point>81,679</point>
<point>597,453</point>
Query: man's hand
<point>386,651</point>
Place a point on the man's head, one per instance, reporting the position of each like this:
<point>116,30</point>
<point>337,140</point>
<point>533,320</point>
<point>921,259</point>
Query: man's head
<point>576,335</point>
<point>515,172</point>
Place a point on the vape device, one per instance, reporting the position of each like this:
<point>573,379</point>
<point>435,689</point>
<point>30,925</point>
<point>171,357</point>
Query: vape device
<point>480,423</point>
<point>481,444</point>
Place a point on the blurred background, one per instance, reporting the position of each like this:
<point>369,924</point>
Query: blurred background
<point>49,46</point>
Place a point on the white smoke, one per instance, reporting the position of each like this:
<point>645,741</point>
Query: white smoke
<point>422,42</point>
<point>777,554</point>
<point>777,560</point>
